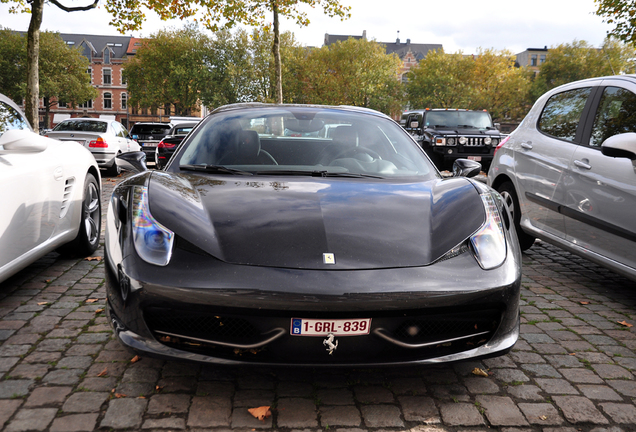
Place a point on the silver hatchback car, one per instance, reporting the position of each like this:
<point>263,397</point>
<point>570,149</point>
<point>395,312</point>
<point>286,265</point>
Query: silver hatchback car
<point>568,172</point>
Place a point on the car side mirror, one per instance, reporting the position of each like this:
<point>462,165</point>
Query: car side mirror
<point>132,161</point>
<point>22,141</point>
<point>466,168</point>
<point>621,145</point>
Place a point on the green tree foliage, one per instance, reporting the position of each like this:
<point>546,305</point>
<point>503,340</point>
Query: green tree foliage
<point>12,64</point>
<point>62,69</point>
<point>36,9</point>
<point>63,74</point>
<point>621,13</point>
<point>579,60</point>
<point>170,68</point>
<point>489,80</point>
<point>129,15</point>
<point>354,72</point>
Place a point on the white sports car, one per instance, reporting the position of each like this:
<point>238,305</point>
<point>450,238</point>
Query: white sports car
<point>50,195</point>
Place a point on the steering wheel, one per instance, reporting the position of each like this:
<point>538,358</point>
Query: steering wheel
<point>351,151</point>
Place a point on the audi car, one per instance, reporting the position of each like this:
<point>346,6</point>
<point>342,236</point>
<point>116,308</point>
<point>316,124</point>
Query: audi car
<point>267,241</point>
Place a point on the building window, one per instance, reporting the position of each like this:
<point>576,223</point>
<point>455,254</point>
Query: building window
<point>124,101</point>
<point>542,59</point>
<point>106,76</point>
<point>107,56</point>
<point>61,104</point>
<point>108,101</point>
<point>124,81</point>
<point>87,104</point>
<point>533,60</point>
<point>405,77</point>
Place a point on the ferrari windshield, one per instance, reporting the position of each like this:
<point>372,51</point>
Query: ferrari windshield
<point>295,140</point>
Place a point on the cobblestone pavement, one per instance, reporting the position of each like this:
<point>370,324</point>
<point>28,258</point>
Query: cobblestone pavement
<point>572,369</point>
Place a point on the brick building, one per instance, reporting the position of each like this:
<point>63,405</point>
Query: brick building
<point>106,55</point>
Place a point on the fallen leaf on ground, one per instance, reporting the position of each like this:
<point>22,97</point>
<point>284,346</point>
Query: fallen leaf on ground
<point>584,302</point>
<point>42,303</point>
<point>103,373</point>
<point>572,353</point>
<point>158,388</point>
<point>543,417</point>
<point>260,413</point>
<point>625,323</point>
<point>93,258</point>
<point>480,372</point>
<point>135,359</point>
<point>120,395</point>
<point>99,311</point>
<point>91,300</point>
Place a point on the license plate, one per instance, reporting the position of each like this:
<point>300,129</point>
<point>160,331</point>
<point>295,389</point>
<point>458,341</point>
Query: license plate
<point>475,158</point>
<point>322,327</point>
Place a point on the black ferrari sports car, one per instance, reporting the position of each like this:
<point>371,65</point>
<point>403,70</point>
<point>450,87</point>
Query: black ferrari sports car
<point>309,235</point>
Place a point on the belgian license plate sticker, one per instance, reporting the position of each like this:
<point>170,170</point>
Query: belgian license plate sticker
<point>475,158</point>
<point>322,327</point>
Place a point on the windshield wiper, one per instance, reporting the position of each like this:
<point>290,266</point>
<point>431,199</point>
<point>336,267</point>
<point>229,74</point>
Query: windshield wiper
<point>467,126</point>
<point>214,169</point>
<point>315,173</point>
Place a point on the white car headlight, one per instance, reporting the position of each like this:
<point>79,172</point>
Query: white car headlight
<point>153,242</point>
<point>489,242</point>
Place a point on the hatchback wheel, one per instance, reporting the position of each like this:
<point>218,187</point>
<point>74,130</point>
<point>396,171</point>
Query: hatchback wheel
<point>509,194</point>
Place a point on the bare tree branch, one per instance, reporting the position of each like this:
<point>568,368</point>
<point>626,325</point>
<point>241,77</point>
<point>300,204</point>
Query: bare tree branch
<point>74,9</point>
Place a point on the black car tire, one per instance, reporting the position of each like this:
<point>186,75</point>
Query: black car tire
<point>87,239</point>
<point>509,194</point>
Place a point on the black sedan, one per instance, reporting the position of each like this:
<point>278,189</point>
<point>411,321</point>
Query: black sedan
<point>167,146</point>
<point>264,242</point>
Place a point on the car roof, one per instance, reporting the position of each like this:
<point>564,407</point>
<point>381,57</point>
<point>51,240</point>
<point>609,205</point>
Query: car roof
<point>596,80</point>
<point>252,105</point>
<point>74,119</point>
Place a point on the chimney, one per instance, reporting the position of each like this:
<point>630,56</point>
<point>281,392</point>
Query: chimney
<point>408,41</point>
<point>364,34</point>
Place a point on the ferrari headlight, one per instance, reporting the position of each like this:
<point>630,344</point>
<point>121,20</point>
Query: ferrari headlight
<point>153,241</point>
<point>489,242</point>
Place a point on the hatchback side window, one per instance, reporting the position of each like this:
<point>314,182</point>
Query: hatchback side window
<point>562,114</point>
<point>616,114</point>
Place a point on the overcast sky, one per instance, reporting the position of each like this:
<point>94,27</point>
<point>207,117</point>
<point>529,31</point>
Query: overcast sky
<point>464,25</point>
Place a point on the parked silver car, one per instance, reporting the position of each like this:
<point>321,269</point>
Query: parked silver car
<point>104,138</point>
<point>569,171</point>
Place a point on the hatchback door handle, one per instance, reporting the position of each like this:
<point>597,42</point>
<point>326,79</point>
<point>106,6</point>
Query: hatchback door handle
<point>527,145</point>
<point>583,164</point>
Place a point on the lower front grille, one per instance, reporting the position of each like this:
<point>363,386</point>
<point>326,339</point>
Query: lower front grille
<point>475,149</point>
<point>393,338</point>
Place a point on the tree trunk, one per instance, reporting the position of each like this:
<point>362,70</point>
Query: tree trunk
<point>278,74</point>
<point>32,101</point>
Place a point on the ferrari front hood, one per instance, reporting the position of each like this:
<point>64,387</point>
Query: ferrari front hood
<point>317,223</point>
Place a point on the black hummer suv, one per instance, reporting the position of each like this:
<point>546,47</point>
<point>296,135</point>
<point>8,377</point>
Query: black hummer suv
<point>449,134</point>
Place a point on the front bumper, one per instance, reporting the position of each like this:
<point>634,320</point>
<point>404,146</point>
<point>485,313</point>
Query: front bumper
<point>200,309</point>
